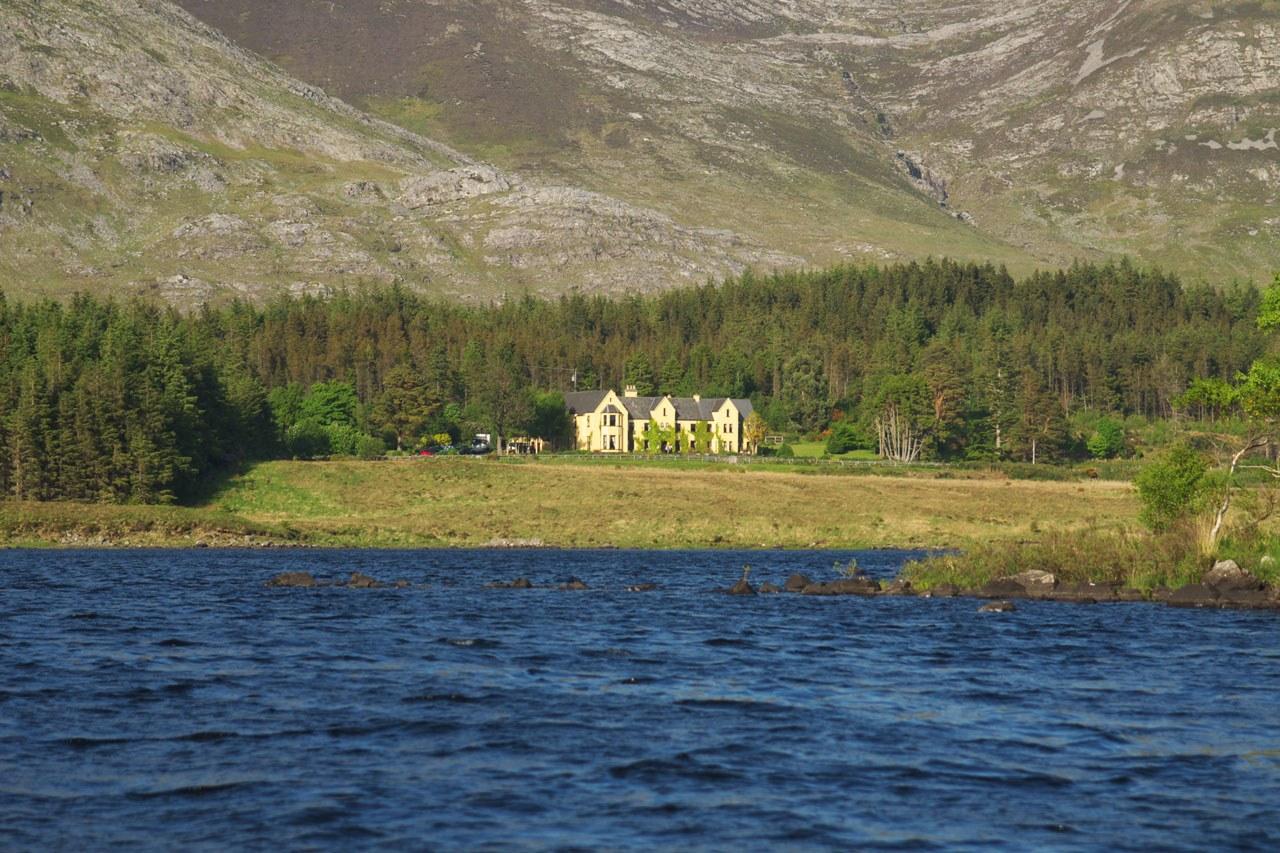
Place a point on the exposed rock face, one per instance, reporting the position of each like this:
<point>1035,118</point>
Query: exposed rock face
<point>1075,127</point>
<point>464,182</point>
<point>1226,575</point>
<point>131,130</point>
<point>1036,580</point>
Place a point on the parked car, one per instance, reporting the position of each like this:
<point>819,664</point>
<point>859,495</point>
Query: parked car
<point>438,450</point>
<point>476,448</point>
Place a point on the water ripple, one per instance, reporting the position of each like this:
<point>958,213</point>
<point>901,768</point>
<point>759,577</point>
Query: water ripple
<point>167,700</point>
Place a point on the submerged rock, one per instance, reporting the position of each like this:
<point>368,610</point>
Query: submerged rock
<point>844,586</point>
<point>768,587</point>
<point>642,587</point>
<point>797,582</point>
<point>998,607</point>
<point>518,583</point>
<point>294,579</point>
<point>574,584</point>
<point>359,580</point>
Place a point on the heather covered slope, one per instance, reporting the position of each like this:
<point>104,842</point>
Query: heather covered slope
<point>1054,129</point>
<point>140,151</point>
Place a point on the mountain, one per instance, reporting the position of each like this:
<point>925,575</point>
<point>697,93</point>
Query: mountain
<point>1025,131</point>
<point>489,147</point>
<point>143,152</point>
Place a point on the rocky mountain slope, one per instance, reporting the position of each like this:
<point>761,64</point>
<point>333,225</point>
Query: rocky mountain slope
<point>141,151</point>
<point>1027,131</point>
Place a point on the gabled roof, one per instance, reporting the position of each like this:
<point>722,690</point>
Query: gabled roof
<point>689,409</point>
<point>641,408</point>
<point>581,402</point>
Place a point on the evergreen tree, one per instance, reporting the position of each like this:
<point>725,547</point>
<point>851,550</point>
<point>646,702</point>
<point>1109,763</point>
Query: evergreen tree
<point>405,405</point>
<point>640,374</point>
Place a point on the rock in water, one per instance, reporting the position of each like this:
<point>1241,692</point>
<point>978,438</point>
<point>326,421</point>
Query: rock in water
<point>844,586</point>
<point>797,582</point>
<point>742,587</point>
<point>768,587</point>
<point>997,607</point>
<point>360,580</point>
<point>574,584</point>
<point>642,587</point>
<point>898,586</point>
<point>296,579</point>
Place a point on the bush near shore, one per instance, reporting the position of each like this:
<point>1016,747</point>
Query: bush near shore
<point>1122,556</point>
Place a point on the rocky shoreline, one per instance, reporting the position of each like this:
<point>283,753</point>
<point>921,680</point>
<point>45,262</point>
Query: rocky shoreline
<point>1225,586</point>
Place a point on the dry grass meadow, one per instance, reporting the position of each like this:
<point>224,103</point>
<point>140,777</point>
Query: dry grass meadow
<point>471,502</point>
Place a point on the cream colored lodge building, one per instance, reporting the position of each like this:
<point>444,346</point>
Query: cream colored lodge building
<point>607,423</point>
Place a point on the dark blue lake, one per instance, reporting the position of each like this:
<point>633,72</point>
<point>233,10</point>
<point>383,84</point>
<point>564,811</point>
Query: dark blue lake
<point>167,699</point>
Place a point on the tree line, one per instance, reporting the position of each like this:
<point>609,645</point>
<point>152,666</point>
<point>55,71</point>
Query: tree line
<point>127,401</point>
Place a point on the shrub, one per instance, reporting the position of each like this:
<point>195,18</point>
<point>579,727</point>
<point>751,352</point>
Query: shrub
<point>846,436</point>
<point>370,447</point>
<point>1172,487</point>
<point>344,439</point>
<point>1107,440</point>
<point>785,452</point>
<point>307,439</point>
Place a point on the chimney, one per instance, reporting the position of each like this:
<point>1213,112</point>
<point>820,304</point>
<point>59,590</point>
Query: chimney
<point>631,392</point>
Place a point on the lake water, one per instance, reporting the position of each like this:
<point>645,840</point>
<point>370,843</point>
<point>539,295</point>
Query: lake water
<point>166,699</point>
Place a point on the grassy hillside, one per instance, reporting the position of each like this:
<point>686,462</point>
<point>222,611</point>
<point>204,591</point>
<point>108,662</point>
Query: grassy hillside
<point>470,502</point>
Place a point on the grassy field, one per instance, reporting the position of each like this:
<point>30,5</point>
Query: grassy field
<point>818,450</point>
<point>471,502</point>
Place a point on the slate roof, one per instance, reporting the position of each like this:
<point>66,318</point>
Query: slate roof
<point>639,408</point>
<point>581,402</point>
<point>689,409</point>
